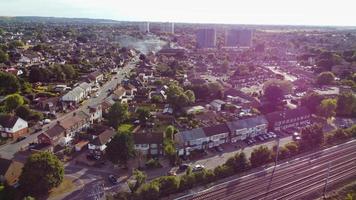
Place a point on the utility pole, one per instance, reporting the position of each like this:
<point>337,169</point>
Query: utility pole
<point>327,180</point>
<point>274,169</point>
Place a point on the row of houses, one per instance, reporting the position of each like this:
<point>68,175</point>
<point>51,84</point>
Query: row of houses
<point>231,132</point>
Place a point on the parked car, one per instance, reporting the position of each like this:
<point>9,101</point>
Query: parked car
<point>46,121</point>
<point>172,173</point>
<point>183,167</point>
<point>20,138</point>
<point>219,149</point>
<point>113,179</point>
<point>198,168</point>
<point>93,157</point>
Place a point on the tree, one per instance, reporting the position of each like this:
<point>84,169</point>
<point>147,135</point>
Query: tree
<point>8,83</point>
<point>325,78</point>
<point>170,150</point>
<point>13,101</point>
<point>187,181</point>
<point>167,185</point>
<point>4,57</point>
<point>23,111</point>
<point>346,105</point>
<point>327,108</point>
<point>37,74</point>
<point>169,132</point>
<point>223,171</point>
<point>143,114</point>
<point>274,90</point>
<point>260,156</point>
<point>311,137</point>
<point>118,113</point>
<point>149,191</point>
<point>121,148</point>
<point>140,178</point>
<point>292,148</point>
<point>41,172</point>
<point>179,98</point>
<point>16,44</point>
<point>69,71</point>
<point>241,162</point>
<point>311,100</point>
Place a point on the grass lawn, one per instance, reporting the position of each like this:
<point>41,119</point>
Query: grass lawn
<point>66,186</point>
<point>123,128</point>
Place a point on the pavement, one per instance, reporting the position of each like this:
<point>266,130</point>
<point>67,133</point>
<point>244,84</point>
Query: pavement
<point>9,150</point>
<point>212,160</point>
<point>294,179</point>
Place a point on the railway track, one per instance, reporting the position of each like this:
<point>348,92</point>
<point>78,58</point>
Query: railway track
<point>299,171</point>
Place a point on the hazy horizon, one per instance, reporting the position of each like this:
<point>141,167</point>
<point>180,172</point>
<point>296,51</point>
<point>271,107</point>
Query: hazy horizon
<point>273,12</point>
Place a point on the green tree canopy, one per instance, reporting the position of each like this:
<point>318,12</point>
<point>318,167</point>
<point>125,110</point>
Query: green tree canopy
<point>325,78</point>
<point>140,178</point>
<point>41,172</point>
<point>311,100</point>
<point>121,148</point>
<point>260,156</point>
<point>143,114</point>
<point>13,101</point>
<point>311,137</point>
<point>8,83</point>
<point>118,113</point>
<point>179,98</point>
<point>274,90</point>
<point>4,57</point>
<point>346,105</point>
<point>327,108</point>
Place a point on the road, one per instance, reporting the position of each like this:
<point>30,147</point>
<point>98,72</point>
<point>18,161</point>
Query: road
<point>291,180</point>
<point>9,150</point>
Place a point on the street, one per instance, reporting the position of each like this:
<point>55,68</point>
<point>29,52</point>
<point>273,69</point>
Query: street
<point>9,150</point>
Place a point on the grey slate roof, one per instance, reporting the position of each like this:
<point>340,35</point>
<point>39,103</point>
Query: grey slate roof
<point>191,134</point>
<point>246,123</point>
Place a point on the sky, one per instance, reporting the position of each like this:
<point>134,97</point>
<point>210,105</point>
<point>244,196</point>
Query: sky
<point>284,12</point>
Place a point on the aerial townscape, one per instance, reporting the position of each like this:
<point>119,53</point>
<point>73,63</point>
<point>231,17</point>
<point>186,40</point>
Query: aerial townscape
<point>133,110</point>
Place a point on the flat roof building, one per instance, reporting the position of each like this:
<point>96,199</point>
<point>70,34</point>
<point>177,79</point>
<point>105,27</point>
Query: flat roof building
<point>206,38</point>
<point>238,38</point>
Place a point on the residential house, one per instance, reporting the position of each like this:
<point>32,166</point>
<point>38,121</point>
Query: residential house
<point>86,87</point>
<point>65,130</point>
<point>96,77</point>
<point>48,104</point>
<point>96,113</point>
<point>216,105</point>
<point>10,171</point>
<point>98,145</point>
<point>281,120</point>
<point>149,143</point>
<point>53,136</point>
<point>190,140</point>
<point>13,126</point>
<point>217,135</point>
<point>120,95</point>
<point>74,96</point>
<point>244,128</point>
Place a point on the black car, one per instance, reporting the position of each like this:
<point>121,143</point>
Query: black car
<point>20,139</point>
<point>183,167</point>
<point>113,179</point>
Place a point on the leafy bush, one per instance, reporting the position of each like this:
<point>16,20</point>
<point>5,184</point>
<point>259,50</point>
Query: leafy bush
<point>153,163</point>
